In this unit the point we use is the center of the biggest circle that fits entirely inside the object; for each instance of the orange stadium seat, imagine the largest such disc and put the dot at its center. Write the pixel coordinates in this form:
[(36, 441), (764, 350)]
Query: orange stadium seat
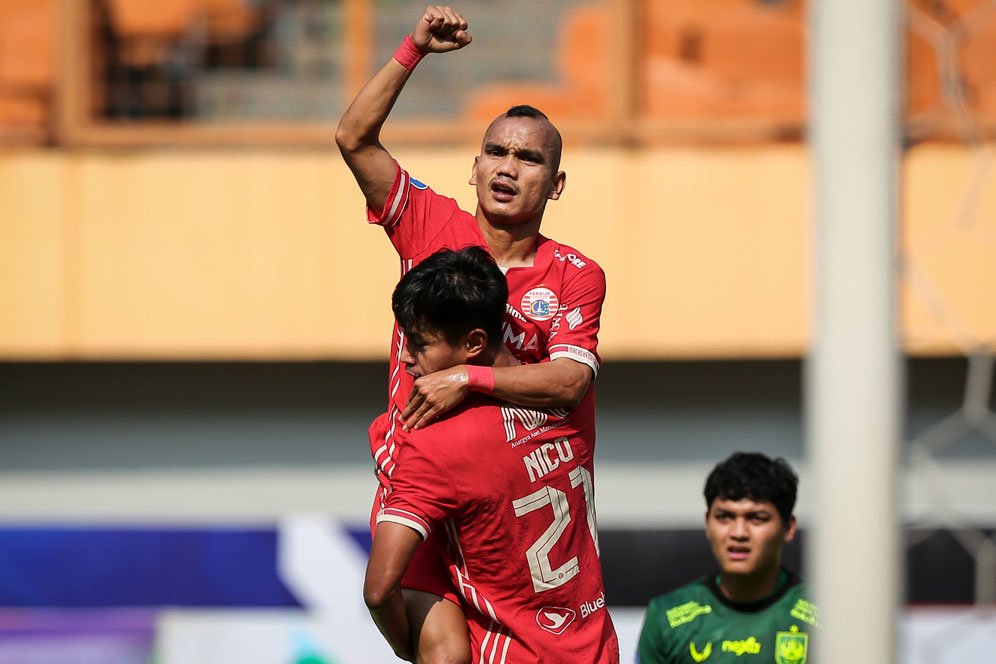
[(976, 57), (153, 19), (147, 28), (978, 66), (728, 58), (27, 41), (721, 59), (582, 53), (923, 89), (27, 63), (20, 111), (229, 20)]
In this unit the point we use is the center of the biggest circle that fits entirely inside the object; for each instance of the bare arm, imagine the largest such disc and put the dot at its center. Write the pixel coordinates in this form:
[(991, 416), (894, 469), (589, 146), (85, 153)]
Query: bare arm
[(391, 552), (439, 30), (560, 383)]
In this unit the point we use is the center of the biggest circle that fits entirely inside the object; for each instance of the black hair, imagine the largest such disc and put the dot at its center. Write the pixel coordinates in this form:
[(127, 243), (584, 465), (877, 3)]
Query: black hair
[(756, 477), (527, 111), (452, 293)]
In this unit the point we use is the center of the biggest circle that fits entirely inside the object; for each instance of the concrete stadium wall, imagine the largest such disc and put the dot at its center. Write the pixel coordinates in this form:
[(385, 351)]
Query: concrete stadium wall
[(264, 253)]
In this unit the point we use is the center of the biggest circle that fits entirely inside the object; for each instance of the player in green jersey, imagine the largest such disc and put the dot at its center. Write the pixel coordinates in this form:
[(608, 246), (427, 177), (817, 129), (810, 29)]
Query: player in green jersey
[(753, 610)]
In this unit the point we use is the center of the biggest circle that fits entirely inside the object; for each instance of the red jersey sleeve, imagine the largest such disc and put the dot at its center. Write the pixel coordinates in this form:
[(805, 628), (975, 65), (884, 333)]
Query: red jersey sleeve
[(422, 492), (574, 330), (413, 214)]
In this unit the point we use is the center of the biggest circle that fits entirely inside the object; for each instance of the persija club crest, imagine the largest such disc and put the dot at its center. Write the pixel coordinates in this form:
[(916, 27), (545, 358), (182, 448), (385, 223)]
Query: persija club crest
[(540, 304)]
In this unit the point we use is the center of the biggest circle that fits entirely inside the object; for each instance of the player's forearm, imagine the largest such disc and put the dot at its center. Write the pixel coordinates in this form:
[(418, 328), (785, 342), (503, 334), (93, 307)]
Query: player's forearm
[(557, 384), (388, 613), (360, 126)]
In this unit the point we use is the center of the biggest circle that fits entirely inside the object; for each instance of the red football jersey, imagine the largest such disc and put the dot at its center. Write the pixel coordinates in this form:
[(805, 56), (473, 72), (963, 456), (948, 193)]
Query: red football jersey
[(512, 491), (553, 309)]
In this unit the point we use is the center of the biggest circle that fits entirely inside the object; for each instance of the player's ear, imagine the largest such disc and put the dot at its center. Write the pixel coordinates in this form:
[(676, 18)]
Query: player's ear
[(790, 529), (473, 172), (559, 182), (476, 342)]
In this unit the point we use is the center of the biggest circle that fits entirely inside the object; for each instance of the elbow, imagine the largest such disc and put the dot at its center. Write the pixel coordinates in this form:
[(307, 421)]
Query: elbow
[(345, 139), (376, 596), (574, 388), (353, 137), (573, 394)]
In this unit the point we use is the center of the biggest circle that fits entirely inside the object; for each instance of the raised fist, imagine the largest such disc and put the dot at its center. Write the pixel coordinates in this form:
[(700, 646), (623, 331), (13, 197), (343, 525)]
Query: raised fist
[(440, 30)]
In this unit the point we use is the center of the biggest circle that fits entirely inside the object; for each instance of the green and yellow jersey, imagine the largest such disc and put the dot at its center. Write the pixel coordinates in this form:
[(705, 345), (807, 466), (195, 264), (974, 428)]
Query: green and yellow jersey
[(695, 623)]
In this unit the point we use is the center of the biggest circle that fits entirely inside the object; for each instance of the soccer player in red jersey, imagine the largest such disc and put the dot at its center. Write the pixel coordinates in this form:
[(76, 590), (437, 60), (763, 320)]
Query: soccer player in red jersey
[(555, 292), (509, 488)]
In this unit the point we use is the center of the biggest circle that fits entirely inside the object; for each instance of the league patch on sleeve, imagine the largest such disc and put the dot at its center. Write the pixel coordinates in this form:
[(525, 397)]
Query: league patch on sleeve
[(417, 184), (806, 612), (686, 613)]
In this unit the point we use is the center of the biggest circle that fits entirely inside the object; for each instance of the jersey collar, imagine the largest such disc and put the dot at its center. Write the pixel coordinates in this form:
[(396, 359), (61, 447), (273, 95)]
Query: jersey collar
[(786, 580)]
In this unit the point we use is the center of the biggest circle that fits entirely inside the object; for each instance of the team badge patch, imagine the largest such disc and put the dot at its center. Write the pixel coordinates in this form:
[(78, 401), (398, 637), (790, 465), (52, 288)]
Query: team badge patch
[(540, 304), (791, 646), (555, 619)]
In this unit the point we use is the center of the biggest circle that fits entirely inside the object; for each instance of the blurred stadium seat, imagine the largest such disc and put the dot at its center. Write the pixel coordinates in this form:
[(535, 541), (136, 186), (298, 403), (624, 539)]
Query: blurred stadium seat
[(741, 60), (27, 67), (709, 63), (582, 56), (954, 39), (148, 29)]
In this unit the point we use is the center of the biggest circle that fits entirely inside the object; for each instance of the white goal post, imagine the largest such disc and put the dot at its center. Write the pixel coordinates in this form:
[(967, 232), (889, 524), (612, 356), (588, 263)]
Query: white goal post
[(853, 367)]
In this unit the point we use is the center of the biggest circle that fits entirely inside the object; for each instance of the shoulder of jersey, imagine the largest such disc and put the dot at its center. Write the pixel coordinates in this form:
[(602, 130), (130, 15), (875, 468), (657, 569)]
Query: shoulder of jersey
[(680, 595), (801, 607), (464, 420), (683, 608), (571, 256), (418, 184)]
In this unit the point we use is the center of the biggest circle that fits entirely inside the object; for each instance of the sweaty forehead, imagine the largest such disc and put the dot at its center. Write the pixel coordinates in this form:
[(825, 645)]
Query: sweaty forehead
[(517, 132)]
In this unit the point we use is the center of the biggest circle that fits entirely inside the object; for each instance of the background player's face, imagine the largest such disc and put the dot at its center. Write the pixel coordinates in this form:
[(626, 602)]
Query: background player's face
[(428, 351), (747, 536), (514, 174)]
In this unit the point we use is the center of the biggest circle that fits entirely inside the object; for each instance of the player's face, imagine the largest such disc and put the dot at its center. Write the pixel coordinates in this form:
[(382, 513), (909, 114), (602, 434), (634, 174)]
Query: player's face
[(747, 536), (514, 174), (427, 352)]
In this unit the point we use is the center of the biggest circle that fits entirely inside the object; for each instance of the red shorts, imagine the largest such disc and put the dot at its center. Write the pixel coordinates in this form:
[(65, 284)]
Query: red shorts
[(427, 571)]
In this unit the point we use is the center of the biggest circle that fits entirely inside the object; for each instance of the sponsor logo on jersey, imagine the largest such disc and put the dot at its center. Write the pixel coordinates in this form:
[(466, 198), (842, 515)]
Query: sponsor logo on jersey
[(512, 312), (574, 318), (700, 656), (806, 611), (535, 422), (555, 619), (517, 341), (686, 613), (588, 608), (791, 646), (540, 304), (417, 184), (748, 646), (573, 259), (520, 416)]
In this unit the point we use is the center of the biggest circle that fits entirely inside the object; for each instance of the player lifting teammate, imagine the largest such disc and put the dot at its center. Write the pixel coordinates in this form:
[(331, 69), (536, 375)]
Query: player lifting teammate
[(555, 292), (509, 489)]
